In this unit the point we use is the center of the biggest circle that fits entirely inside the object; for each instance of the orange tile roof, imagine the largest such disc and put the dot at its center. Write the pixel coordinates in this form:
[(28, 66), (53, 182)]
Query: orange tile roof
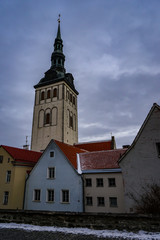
[(23, 155), (101, 160), (70, 152), (95, 146)]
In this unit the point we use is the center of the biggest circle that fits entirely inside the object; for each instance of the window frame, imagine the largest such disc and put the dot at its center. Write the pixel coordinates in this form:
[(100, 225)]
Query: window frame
[(50, 174), (8, 176), (89, 201), (88, 182), (111, 182), (112, 203), (35, 198), (100, 201), (99, 182), (48, 197), (52, 154), (64, 197), (5, 198)]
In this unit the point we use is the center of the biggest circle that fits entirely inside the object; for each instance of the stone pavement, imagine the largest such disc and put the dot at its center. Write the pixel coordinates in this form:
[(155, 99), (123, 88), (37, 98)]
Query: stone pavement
[(16, 234)]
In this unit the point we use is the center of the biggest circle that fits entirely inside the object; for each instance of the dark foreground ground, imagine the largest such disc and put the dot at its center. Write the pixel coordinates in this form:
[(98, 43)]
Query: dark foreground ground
[(15, 234)]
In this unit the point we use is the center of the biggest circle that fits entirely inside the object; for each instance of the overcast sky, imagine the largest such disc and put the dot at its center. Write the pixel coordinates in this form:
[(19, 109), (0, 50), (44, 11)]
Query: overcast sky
[(112, 48)]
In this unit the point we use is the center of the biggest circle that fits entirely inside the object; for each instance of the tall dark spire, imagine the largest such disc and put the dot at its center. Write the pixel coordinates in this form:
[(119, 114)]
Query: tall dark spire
[(58, 57)]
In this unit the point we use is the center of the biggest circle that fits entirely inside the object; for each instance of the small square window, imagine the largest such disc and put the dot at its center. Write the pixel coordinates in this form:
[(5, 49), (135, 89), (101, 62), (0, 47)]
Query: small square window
[(65, 196), (100, 201), (37, 195), (88, 182), (113, 201), (52, 154), (51, 173), (89, 201), (1, 159), (99, 182), (111, 182)]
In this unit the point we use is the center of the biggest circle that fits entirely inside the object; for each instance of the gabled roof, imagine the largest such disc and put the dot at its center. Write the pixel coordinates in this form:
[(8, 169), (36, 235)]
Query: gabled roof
[(96, 146), (100, 160), (70, 152), (155, 105), (22, 155)]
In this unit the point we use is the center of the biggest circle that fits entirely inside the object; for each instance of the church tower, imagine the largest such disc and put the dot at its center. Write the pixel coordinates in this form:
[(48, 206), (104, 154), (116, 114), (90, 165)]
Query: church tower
[(55, 107)]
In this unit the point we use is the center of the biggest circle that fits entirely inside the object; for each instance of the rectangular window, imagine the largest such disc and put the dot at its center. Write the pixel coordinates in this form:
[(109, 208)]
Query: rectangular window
[(1, 159), (89, 201), (5, 198), (37, 195), (50, 195), (158, 148), (111, 182), (113, 201), (100, 201), (88, 182), (8, 176), (65, 196), (99, 182), (52, 154), (51, 173)]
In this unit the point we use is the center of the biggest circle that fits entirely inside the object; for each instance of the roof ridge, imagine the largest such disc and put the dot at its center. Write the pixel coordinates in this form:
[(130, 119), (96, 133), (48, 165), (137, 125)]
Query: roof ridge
[(109, 140)]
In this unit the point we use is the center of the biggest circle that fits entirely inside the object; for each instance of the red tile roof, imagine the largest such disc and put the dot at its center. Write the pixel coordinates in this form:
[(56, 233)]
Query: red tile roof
[(95, 146), (101, 160), (70, 152), (23, 155)]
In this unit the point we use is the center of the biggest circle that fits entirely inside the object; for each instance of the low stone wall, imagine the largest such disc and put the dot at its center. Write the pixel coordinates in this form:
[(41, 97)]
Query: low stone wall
[(129, 222)]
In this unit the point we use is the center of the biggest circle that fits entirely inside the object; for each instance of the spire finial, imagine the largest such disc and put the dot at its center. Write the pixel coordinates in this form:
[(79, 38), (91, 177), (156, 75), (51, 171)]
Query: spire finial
[(59, 18)]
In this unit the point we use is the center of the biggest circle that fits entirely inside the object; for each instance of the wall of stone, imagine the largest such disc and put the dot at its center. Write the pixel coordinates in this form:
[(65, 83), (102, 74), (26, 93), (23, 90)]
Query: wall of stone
[(130, 222)]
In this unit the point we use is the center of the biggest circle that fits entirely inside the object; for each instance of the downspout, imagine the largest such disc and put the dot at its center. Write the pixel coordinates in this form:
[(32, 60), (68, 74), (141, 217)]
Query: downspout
[(25, 190)]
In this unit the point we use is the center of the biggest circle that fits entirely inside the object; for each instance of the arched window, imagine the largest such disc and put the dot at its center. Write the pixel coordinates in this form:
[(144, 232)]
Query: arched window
[(48, 93), (55, 92), (59, 61), (47, 118), (42, 95)]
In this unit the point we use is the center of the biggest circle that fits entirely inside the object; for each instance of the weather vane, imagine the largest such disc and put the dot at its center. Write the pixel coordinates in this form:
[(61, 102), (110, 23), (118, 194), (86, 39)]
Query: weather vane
[(59, 18)]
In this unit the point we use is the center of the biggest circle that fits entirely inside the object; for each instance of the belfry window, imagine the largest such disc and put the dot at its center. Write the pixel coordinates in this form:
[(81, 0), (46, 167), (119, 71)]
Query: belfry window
[(48, 93), (71, 121), (55, 92), (42, 95)]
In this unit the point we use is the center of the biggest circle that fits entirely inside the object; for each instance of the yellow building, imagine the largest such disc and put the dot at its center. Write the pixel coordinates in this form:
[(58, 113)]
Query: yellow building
[(14, 164)]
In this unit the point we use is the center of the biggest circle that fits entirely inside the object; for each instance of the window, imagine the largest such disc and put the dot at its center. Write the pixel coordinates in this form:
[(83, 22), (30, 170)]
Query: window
[(5, 198), (8, 160), (51, 173), (99, 182), (8, 176), (50, 195), (74, 100), (1, 159), (52, 154), (48, 93), (70, 97), (158, 148), (42, 95), (100, 201), (65, 196), (55, 92), (88, 182), (71, 121), (47, 118), (113, 201), (37, 195), (89, 201), (111, 182)]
